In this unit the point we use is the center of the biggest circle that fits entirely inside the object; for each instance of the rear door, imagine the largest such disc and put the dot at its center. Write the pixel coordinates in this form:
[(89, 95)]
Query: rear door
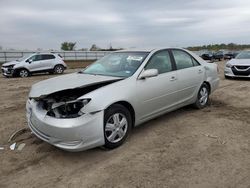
[(47, 62), (190, 74), (157, 94)]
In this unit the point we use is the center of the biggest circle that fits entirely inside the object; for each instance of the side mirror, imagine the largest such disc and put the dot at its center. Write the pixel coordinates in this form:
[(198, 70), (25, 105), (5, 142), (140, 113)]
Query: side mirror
[(148, 73), (29, 61)]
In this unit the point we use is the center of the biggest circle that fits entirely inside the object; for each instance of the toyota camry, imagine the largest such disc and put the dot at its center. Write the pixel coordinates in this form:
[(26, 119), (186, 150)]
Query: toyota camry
[(99, 105)]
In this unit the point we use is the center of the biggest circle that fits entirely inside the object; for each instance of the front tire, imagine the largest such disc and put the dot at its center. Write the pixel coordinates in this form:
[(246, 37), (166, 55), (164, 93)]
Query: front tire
[(59, 69), (202, 97), (117, 125), (23, 73)]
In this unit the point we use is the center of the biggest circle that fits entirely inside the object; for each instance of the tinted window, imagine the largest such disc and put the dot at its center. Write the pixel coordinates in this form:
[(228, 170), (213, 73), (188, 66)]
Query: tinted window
[(47, 56), (36, 58), (160, 61), (182, 59)]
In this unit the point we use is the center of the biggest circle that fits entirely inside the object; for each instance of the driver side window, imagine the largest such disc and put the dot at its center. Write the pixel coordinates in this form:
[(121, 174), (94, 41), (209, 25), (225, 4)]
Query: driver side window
[(160, 61), (35, 58)]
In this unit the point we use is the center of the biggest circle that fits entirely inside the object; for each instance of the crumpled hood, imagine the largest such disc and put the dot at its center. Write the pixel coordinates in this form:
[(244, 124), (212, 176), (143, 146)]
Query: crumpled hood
[(64, 82), (239, 62), (11, 63)]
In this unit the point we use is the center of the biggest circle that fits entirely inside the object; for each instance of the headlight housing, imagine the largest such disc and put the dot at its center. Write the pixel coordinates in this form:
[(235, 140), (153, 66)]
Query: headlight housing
[(70, 109), (9, 66), (228, 65)]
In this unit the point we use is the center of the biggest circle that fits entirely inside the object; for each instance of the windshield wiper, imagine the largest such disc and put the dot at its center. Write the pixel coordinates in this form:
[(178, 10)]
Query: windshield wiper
[(81, 72)]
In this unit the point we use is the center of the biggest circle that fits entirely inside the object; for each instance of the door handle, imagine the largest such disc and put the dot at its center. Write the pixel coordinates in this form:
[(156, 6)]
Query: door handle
[(173, 78)]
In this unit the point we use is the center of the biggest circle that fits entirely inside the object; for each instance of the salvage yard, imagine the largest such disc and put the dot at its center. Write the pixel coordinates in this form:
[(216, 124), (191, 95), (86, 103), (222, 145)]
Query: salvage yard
[(185, 148)]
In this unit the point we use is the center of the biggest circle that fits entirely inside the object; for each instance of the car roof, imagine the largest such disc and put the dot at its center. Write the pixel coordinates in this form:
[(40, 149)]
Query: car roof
[(44, 53), (135, 50), (149, 50)]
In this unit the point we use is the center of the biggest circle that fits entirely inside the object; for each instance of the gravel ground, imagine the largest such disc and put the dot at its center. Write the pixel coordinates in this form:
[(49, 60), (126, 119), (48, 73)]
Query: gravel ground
[(185, 148)]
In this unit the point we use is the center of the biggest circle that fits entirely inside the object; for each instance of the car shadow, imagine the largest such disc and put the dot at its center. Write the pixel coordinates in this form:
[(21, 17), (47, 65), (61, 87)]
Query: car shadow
[(238, 78), (166, 117)]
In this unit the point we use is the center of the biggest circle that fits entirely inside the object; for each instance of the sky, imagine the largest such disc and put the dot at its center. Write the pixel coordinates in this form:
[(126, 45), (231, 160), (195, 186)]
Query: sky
[(45, 24)]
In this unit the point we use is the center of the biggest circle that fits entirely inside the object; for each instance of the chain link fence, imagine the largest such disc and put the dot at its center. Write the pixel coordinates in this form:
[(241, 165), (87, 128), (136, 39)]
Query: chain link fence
[(6, 56)]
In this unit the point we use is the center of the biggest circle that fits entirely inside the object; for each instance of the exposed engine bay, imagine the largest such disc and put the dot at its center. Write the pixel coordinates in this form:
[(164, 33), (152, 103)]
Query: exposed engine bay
[(65, 103)]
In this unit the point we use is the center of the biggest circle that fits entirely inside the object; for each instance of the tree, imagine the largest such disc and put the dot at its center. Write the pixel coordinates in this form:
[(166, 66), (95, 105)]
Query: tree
[(72, 45), (216, 47), (94, 47), (67, 46), (64, 46)]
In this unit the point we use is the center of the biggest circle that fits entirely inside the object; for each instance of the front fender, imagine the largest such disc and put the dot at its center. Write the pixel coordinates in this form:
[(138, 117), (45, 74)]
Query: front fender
[(103, 97)]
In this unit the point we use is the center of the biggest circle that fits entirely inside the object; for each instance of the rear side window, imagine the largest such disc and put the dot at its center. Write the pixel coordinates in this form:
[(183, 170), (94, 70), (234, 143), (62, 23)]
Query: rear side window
[(160, 61), (195, 62), (183, 60), (48, 56)]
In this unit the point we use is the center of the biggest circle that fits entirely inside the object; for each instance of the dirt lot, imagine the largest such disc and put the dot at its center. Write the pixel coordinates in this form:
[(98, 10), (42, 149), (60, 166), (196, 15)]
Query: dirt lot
[(185, 148), (75, 64)]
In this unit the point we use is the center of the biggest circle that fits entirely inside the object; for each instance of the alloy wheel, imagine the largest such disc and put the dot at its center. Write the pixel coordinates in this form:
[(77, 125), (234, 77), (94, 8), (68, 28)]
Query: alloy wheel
[(203, 96), (59, 69), (116, 127), (23, 73)]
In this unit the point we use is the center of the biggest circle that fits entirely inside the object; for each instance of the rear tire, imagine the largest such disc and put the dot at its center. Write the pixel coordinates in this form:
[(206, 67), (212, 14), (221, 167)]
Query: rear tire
[(202, 97), (59, 69), (23, 73), (117, 125)]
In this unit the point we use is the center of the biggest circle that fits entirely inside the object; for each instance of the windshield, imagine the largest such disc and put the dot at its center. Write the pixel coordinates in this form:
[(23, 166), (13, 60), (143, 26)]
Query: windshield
[(118, 64), (243, 55), (24, 57)]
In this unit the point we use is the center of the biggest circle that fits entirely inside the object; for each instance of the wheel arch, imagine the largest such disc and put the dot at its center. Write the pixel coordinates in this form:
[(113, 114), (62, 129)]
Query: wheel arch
[(16, 71), (59, 65), (209, 86), (129, 107)]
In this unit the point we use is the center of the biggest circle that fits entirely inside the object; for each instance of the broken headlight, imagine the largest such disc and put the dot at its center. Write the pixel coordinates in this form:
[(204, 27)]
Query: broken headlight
[(70, 109)]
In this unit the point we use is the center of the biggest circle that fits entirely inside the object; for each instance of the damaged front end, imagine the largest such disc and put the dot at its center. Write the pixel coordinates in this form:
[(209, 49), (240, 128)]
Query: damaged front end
[(67, 103), (58, 112), (64, 109)]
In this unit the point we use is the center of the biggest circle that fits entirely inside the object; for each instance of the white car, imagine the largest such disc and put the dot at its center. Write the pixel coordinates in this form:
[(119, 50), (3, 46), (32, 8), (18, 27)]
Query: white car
[(35, 63), (238, 67), (100, 104)]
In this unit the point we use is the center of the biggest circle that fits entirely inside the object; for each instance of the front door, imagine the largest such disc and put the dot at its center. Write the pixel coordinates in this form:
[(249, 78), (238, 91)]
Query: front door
[(34, 63), (157, 94)]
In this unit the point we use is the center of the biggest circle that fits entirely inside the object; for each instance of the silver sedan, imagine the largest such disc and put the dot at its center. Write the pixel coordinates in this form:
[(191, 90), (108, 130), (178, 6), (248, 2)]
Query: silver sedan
[(100, 105), (238, 67)]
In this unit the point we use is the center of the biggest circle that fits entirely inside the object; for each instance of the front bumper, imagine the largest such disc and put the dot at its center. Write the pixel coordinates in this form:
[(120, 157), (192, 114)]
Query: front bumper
[(240, 74), (76, 134), (7, 71)]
